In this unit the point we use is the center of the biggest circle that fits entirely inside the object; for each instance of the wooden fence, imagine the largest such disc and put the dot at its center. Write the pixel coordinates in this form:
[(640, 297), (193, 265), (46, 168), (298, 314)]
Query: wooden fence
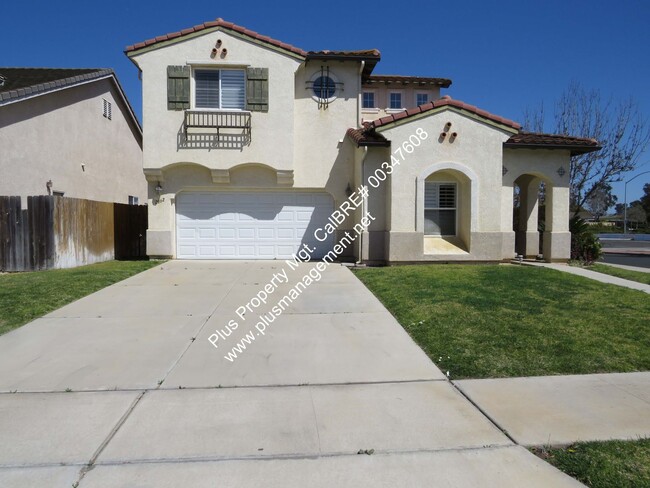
[(59, 232)]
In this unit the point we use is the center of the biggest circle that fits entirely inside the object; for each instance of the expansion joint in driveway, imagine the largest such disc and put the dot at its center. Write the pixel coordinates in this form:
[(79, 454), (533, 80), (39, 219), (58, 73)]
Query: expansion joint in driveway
[(484, 413), (92, 462), (298, 456)]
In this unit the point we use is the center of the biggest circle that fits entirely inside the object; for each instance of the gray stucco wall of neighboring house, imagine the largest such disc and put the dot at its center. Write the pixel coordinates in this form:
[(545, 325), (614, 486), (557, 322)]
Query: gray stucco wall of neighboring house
[(63, 137)]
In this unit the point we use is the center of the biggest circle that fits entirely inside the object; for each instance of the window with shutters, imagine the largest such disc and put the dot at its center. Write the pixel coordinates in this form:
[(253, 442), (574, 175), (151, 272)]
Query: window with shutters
[(439, 209), (223, 89)]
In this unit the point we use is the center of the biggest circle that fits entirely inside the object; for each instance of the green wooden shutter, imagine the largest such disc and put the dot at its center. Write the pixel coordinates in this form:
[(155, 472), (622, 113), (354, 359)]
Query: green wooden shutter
[(257, 89), (178, 87)]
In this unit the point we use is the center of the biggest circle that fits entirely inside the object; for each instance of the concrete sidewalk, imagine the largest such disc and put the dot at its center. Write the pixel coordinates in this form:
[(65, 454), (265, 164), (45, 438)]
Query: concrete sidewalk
[(593, 275), (629, 268), (123, 388), (564, 409)]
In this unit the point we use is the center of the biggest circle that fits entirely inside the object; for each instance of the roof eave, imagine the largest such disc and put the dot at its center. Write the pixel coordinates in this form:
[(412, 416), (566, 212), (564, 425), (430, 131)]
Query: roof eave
[(153, 44), (575, 150), (442, 83)]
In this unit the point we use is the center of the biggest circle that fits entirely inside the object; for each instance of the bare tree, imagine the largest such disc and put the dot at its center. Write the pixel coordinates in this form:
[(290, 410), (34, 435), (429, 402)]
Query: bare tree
[(600, 200), (619, 127)]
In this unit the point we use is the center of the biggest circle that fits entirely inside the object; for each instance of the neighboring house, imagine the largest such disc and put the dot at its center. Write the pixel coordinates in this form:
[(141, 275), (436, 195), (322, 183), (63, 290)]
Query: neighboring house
[(252, 143), (69, 132), (383, 95)]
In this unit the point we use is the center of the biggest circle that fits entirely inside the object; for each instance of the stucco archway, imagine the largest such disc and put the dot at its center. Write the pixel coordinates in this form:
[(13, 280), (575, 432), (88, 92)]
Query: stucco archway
[(447, 180), (530, 213)]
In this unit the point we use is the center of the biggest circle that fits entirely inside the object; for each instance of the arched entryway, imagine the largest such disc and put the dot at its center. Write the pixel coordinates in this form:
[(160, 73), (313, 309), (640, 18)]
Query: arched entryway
[(447, 215)]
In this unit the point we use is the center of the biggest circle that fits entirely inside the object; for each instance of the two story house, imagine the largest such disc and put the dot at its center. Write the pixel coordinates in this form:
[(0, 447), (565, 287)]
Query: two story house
[(252, 144)]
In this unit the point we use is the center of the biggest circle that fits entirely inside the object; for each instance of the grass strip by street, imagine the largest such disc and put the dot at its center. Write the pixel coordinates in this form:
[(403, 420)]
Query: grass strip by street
[(27, 296), (620, 464), (491, 321), (626, 274)]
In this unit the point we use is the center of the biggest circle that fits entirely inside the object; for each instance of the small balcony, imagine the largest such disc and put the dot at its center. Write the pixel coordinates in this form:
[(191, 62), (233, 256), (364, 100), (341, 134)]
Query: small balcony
[(211, 129)]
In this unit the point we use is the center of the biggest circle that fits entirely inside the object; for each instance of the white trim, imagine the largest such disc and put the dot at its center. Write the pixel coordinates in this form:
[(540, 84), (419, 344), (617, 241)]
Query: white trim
[(434, 168)]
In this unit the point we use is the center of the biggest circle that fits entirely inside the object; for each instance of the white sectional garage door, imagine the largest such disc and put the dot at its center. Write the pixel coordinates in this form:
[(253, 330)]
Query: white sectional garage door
[(251, 225)]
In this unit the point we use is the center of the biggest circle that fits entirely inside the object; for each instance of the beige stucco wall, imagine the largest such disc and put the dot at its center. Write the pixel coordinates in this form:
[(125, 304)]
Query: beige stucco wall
[(295, 146), (473, 159), (49, 137), (544, 164), (272, 133)]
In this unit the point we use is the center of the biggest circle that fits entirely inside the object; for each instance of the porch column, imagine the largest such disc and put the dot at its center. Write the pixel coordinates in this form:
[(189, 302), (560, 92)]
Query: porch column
[(527, 237), (557, 238)]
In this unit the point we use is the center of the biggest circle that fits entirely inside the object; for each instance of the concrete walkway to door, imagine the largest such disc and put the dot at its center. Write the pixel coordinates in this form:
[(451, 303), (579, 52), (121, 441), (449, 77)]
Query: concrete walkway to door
[(123, 388)]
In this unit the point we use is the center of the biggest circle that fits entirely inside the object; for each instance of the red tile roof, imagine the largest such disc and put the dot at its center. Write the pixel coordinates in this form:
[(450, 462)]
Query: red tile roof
[(217, 23), (364, 54), (366, 136), (530, 140), (445, 101), (407, 80)]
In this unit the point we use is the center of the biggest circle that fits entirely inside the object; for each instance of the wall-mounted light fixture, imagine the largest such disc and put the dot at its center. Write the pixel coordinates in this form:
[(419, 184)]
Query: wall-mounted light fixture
[(348, 190), (158, 188), (48, 185)]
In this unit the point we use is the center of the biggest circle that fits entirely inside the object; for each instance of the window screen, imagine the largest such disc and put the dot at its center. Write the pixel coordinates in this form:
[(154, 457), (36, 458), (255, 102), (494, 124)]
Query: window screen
[(223, 89), (440, 209)]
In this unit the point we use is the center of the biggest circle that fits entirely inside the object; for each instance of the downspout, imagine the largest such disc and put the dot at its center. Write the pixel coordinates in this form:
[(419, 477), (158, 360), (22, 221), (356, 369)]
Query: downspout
[(360, 98), (365, 152)]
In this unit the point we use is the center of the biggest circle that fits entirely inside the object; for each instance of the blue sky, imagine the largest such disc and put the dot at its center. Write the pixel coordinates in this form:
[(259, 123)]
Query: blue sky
[(502, 56)]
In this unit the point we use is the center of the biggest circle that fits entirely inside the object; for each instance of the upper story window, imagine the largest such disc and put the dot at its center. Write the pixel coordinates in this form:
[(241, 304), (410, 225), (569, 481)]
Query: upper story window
[(324, 87), (421, 98), (395, 100), (220, 89), (439, 209), (368, 100)]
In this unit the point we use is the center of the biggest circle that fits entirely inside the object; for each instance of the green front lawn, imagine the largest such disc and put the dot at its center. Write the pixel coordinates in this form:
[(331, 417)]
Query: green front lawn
[(612, 464), (502, 321), (626, 274), (27, 296)]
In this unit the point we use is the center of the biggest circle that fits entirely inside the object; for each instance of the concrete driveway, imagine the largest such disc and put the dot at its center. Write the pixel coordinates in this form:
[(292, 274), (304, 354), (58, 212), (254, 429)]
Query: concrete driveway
[(124, 388)]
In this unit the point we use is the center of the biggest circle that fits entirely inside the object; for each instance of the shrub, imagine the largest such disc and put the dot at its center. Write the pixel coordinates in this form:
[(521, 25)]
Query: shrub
[(585, 245)]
